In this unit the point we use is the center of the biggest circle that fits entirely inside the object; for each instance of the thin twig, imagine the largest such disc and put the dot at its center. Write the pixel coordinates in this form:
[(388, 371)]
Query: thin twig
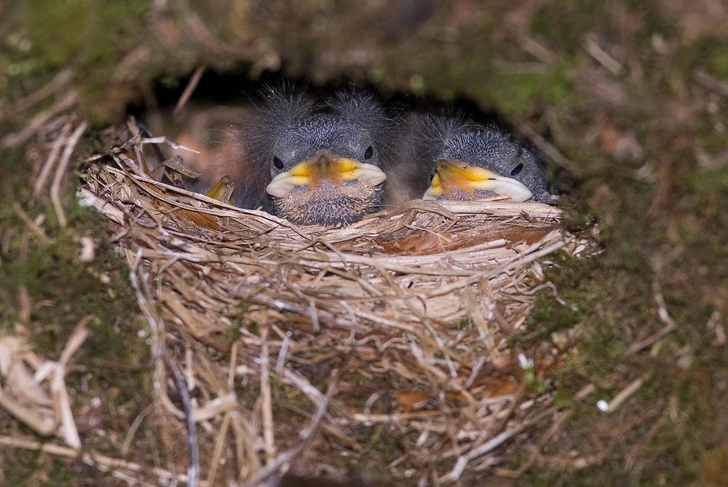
[(266, 398), (306, 435), (554, 154), (669, 327), (11, 141), (61, 172), (59, 81), (51, 160), (711, 82), (623, 395), (97, 460), (602, 56), (189, 89), (32, 226), (491, 445), (193, 471)]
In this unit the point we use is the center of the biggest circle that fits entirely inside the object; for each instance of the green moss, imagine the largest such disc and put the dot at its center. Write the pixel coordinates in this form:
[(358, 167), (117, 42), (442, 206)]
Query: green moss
[(551, 314), (253, 327), (90, 36), (514, 93), (355, 378), (562, 22), (716, 58), (83, 31), (62, 291)]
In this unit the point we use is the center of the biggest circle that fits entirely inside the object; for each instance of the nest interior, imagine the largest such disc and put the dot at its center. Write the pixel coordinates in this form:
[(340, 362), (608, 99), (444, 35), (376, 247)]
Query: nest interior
[(400, 320)]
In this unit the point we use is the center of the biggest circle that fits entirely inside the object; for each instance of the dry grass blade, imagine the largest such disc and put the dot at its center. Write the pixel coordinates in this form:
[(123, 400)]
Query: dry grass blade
[(102, 462), (61, 172), (22, 395)]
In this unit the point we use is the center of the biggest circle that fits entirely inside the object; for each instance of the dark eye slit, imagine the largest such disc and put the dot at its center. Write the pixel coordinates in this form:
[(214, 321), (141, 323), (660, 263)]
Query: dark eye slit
[(516, 170), (369, 153)]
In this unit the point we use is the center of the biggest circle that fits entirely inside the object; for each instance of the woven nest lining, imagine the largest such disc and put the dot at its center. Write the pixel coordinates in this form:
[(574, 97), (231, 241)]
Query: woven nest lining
[(421, 298)]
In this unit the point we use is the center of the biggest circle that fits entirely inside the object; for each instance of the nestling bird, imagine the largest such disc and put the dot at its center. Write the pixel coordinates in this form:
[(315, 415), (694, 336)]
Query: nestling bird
[(315, 163), (451, 157)]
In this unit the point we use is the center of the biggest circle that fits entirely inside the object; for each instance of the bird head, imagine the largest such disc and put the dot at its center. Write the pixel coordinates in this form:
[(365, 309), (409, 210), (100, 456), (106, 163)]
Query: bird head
[(484, 163), (457, 180), (325, 170)]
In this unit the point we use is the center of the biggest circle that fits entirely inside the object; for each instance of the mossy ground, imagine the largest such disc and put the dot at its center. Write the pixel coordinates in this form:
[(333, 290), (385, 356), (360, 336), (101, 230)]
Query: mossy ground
[(61, 290), (663, 231)]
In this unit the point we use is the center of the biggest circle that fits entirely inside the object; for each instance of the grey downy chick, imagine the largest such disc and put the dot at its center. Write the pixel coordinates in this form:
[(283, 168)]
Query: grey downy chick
[(452, 157), (315, 163)]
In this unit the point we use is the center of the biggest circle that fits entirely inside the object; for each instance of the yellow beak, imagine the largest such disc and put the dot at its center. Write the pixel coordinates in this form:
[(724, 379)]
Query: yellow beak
[(223, 190), (452, 176), (324, 166)]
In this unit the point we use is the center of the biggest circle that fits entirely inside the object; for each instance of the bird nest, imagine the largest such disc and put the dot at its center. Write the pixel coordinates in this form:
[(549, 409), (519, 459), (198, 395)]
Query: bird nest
[(301, 342)]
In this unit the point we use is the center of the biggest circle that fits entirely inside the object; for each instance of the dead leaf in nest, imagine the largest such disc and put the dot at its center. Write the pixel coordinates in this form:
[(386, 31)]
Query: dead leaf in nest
[(424, 243), (513, 236), (199, 219), (502, 361), (526, 235), (502, 386), (714, 467), (456, 396), (416, 400), (416, 243), (413, 400), (497, 385)]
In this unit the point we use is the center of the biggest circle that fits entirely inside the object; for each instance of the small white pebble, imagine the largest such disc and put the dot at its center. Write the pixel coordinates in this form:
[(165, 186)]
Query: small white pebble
[(603, 405)]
